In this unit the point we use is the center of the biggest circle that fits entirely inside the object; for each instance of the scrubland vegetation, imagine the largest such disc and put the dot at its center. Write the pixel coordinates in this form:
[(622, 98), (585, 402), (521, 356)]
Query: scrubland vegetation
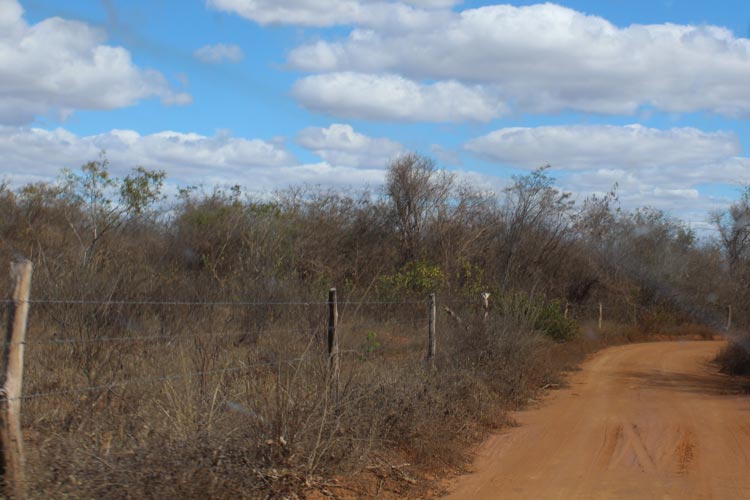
[(198, 322)]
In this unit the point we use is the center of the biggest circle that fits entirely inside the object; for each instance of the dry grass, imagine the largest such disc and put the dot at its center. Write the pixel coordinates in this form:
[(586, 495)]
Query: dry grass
[(272, 428), (221, 401)]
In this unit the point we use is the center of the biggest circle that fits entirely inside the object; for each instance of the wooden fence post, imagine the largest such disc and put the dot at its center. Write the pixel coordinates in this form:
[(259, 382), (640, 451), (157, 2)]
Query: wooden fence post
[(565, 314), (601, 315), (486, 305), (333, 341), (729, 317), (11, 437), (431, 330)]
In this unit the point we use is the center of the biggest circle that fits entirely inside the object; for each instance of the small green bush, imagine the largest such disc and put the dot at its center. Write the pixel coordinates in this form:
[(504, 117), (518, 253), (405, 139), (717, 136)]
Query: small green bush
[(416, 278), (552, 322)]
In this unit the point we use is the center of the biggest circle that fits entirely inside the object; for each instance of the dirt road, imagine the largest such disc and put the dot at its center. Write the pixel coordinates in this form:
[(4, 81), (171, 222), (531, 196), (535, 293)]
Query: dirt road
[(651, 421)]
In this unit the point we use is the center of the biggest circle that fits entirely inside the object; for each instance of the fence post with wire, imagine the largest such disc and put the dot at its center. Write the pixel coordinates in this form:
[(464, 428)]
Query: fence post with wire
[(334, 363), (11, 436), (431, 341), (322, 351)]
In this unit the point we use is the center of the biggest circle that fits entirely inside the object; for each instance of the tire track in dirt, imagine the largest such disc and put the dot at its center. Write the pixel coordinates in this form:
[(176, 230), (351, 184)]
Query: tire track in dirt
[(638, 421), (685, 452)]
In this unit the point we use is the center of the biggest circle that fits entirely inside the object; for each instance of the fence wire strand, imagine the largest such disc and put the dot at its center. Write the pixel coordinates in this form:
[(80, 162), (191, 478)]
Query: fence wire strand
[(149, 380), (168, 378), (217, 303), (217, 335)]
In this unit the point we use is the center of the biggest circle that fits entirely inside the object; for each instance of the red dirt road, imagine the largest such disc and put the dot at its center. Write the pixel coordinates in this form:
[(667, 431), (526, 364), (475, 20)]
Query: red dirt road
[(645, 421)]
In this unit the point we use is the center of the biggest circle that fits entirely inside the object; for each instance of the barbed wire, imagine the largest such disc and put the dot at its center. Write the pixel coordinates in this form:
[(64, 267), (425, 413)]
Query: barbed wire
[(217, 335), (217, 303), (147, 380), (177, 376)]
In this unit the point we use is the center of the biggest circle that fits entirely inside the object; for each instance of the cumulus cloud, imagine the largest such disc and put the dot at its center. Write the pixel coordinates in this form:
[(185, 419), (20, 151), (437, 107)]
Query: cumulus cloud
[(432, 4), (80, 73), (219, 53), (661, 168), (663, 189), (33, 154), (392, 97), (604, 146), (339, 144), (184, 156), (329, 12), (548, 58)]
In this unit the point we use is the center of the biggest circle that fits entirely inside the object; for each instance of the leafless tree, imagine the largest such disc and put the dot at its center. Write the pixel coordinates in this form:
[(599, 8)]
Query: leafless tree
[(418, 191), (733, 225)]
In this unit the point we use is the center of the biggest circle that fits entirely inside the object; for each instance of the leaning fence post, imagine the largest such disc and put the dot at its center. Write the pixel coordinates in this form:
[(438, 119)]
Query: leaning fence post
[(601, 315), (333, 341), (729, 317), (11, 437), (486, 305), (431, 330)]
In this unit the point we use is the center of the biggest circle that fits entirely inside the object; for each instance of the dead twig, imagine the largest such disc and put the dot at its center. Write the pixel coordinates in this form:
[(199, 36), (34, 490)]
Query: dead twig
[(456, 317)]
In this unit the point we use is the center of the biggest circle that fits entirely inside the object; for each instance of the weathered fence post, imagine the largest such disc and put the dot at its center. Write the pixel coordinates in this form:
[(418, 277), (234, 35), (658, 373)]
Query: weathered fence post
[(565, 314), (333, 341), (486, 305), (601, 315), (431, 330), (729, 317), (11, 437)]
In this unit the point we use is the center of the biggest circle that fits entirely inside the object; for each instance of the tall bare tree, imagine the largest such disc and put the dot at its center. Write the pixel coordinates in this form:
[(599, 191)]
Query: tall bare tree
[(419, 191), (733, 225)]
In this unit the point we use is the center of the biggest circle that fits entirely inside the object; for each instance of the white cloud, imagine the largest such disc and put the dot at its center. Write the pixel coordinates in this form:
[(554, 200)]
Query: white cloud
[(219, 53), (605, 146), (548, 58), (185, 157), (339, 144), (391, 97), (57, 66), (433, 4), (33, 154), (326, 175), (329, 12), (661, 168), (664, 190)]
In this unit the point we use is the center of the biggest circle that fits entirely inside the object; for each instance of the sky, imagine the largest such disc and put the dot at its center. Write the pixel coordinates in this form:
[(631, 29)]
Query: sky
[(651, 95)]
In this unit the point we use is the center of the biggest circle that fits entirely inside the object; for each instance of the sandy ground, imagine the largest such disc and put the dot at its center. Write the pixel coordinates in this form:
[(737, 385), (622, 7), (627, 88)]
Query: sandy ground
[(651, 421)]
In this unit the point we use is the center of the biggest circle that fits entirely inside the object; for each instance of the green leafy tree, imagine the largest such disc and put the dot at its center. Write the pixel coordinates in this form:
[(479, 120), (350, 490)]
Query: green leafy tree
[(104, 203)]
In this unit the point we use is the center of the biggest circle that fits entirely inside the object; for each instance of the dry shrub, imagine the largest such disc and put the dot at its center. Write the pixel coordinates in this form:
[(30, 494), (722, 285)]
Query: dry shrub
[(694, 330), (734, 358), (274, 428), (229, 401)]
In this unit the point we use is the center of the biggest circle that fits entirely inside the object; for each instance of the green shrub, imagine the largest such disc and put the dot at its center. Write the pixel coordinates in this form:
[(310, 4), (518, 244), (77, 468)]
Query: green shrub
[(552, 322), (416, 278), (546, 317)]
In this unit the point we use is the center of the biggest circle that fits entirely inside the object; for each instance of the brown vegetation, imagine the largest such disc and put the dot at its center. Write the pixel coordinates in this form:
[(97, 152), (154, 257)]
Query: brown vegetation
[(177, 346)]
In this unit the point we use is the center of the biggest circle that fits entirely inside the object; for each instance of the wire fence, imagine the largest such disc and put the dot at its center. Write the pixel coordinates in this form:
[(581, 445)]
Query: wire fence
[(149, 380), (59, 337), (624, 312), (116, 347)]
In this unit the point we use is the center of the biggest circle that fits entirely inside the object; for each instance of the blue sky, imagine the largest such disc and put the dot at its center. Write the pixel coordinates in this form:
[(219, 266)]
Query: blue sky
[(267, 93)]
